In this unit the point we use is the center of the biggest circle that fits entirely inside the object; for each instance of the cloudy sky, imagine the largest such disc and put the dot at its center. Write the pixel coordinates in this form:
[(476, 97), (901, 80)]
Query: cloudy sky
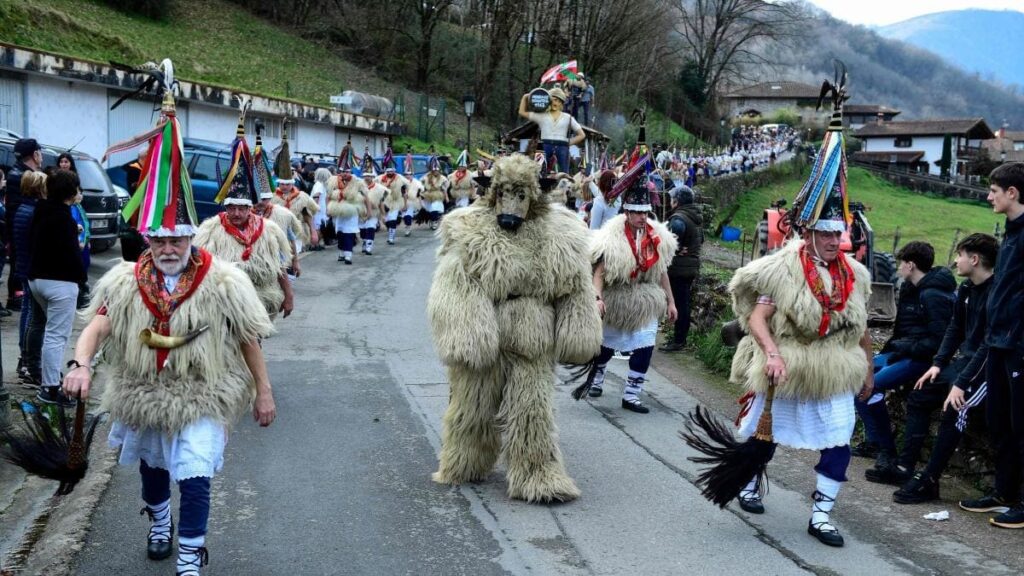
[(870, 12)]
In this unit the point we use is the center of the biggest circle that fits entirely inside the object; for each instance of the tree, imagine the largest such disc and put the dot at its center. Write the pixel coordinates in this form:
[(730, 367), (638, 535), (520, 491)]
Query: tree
[(947, 156), (721, 37)]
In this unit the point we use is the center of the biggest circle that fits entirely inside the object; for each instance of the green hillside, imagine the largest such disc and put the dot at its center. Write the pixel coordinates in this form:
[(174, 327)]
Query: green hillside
[(209, 41), (918, 217)]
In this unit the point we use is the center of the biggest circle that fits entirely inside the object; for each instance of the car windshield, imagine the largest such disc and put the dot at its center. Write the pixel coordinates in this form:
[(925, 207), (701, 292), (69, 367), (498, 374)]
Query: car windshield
[(92, 175)]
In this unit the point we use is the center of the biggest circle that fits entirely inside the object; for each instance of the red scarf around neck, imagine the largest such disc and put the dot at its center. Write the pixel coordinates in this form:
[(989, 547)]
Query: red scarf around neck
[(161, 304), (460, 173), (247, 236), (842, 286), (646, 253), (289, 198)]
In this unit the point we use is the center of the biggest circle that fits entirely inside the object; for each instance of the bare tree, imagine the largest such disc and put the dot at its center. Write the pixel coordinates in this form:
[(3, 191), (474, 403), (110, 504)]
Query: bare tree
[(720, 36)]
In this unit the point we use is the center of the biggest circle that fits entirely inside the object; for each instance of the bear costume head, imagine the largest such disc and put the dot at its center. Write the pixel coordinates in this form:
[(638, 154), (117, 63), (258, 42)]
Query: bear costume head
[(515, 191)]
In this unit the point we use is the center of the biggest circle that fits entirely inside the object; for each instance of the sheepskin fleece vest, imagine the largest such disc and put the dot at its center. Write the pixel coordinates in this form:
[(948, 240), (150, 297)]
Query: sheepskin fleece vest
[(347, 201), (207, 377), (630, 303), (376, 194), (434, 187), (393, 198), (461, 187), (285, 220), (302, 205), (816, 367), (264, 265)]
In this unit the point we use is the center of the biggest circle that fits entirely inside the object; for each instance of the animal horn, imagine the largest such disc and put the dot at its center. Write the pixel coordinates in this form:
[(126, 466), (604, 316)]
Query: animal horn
[(154, 340)]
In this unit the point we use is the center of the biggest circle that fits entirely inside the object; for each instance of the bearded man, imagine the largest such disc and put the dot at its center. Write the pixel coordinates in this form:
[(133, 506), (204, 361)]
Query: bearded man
[(181, 361)]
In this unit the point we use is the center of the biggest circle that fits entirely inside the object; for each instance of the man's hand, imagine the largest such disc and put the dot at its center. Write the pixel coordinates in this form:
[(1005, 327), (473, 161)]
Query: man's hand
[(672, 312), (296, 269), (288, 305), (869, 387), (77, 382), (928, 376), (600, 308), (775, 369), (955, 399), (314, 236), (264, 411)]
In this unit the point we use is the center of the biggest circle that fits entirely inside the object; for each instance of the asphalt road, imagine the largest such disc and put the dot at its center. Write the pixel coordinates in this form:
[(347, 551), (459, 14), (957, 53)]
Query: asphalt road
[(340, 484)]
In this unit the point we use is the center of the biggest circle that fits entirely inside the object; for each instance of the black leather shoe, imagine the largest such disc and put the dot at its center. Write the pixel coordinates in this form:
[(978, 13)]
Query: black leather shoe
[(159, 549), (158, 543), (917, 490), (672, 347), (752, 505), (893, 475), (826, 537), (595, 392), (635, 406)]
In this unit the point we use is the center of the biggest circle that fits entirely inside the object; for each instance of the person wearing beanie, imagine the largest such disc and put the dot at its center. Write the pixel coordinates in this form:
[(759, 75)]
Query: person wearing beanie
[(687, 223)]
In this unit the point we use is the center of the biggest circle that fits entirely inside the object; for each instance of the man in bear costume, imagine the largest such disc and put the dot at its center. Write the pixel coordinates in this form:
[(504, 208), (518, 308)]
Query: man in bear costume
[(512, 295)]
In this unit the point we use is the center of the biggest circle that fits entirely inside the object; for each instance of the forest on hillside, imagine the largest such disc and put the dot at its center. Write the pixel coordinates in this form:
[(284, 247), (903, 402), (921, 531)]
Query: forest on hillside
[(674, 56)]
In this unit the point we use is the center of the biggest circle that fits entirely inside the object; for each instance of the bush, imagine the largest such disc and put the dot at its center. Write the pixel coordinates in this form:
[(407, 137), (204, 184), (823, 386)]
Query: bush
[(153, 9), (726, 191), (785, 116)]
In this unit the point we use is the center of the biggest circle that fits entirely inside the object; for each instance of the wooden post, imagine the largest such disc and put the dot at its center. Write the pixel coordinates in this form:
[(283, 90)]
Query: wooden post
[(743, 248)]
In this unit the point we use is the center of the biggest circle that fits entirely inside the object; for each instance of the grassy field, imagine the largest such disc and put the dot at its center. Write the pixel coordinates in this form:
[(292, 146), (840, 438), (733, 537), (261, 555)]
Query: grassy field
[(916, 216), (210, 41)]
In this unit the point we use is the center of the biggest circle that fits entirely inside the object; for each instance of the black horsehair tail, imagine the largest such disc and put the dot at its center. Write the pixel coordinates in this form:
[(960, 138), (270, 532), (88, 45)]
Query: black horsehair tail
[(586, 371), (732, 464), (51, 450)]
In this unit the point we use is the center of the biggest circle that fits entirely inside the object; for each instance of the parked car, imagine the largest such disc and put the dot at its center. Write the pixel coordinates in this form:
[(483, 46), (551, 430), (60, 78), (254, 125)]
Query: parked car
[(419, 164), (207, 163), (98, 196)]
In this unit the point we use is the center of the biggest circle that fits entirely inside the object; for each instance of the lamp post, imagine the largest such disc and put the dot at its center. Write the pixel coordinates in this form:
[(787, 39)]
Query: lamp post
[(469, 104), (723, 131)]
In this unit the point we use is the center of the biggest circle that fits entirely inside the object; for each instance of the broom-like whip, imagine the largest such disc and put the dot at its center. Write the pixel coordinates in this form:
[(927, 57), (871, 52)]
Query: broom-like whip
[(732, 464), (60, 454)]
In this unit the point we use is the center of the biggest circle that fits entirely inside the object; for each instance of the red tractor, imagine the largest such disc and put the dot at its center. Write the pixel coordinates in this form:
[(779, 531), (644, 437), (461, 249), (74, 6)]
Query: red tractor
[(858, 242)]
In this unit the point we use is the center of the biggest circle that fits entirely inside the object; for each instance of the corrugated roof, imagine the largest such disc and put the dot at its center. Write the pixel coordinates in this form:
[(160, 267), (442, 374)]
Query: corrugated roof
[(972, 127)]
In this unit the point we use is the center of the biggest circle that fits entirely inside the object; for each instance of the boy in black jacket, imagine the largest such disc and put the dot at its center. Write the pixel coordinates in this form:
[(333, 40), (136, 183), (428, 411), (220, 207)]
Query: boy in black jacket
[(1005, 340), (957, 368), (923, 311)]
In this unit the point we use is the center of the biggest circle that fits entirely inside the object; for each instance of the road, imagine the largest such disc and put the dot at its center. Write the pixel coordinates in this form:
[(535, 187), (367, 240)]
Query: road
[(340, 484)]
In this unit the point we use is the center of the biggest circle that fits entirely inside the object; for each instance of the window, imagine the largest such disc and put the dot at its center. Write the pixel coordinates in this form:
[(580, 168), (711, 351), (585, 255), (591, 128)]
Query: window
[(271, 126), (206, 168), (903, 142), (1018, 146)]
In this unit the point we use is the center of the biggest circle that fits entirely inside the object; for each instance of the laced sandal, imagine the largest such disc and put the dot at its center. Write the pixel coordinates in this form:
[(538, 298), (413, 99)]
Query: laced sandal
[(158, 542), (750, 501), (191, 559), (635, 405), (824, 531)]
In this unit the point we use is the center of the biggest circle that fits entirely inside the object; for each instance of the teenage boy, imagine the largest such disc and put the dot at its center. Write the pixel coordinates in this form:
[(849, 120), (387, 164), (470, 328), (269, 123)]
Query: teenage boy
[(1005, 339), (957, 370), (923, 311)]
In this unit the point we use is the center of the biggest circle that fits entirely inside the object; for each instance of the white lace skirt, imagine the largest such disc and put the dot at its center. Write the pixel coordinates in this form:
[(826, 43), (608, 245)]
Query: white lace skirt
[(806, 424), (625, 341), (196, 451)]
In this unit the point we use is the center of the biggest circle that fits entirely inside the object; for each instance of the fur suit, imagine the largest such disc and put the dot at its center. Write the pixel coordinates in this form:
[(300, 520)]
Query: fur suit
[(285, 220), (376, 192), (504, 307), (631, 303), (461, 186), (345, 200), (302, 206), (393, 197), (205, 378), (267, 262), (795, 329)]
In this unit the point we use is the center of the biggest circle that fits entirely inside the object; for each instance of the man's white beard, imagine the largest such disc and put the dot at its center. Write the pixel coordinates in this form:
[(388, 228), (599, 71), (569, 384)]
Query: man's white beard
[(171, 267)]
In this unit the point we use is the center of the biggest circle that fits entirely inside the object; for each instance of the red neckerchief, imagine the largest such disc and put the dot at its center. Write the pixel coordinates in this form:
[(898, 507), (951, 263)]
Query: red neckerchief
[(646, 254), (161, 304), (371, 184), (460, 173), (842, 286), (247, 236), (289, 199), (263, 211), (387, 179), (345, 179)]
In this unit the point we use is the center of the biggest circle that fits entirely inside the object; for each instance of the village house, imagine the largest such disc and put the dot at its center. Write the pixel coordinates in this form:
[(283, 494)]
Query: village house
[(766, 98), (916, 145), (856, 116), (1007, 146), (65, 102)]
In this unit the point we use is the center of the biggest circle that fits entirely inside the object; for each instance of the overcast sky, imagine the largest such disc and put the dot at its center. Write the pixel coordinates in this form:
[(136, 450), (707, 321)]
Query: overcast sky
[(870, 12)]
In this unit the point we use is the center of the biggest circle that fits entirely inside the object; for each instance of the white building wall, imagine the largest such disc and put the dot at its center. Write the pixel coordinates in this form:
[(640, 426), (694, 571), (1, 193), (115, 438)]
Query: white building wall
[(930, 145), (316, 139), (66, 114), (212, 123)]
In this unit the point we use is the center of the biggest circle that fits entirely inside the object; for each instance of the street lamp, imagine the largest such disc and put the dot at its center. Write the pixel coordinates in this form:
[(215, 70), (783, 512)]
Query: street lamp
[(723, 130), (469, 104)]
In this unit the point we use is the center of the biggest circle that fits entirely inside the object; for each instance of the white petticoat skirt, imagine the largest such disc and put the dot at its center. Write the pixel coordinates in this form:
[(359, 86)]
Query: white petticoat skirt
[(461, 202), (368, 223), (392, 215), (437, 206), (348, 225), (196, 451), (806, 424), (625, 341)]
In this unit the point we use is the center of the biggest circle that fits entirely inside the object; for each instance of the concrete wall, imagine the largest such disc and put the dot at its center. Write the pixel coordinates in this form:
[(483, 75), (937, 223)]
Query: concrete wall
[(212, 123), (64, 114), (316, 139)]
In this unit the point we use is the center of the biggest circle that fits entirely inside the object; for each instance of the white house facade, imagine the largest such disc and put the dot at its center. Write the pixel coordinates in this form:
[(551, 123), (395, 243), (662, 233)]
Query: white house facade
[(66, 102), (917, 145)]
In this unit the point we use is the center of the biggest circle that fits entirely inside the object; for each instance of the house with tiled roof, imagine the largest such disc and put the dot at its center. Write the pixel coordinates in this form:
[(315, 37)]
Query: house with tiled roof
[(1007, 146), (856, 116), (765, 98), (916, 145)]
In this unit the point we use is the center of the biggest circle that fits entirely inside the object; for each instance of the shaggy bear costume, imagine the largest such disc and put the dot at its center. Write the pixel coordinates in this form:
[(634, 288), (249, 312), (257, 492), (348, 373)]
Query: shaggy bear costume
[(507, 302)]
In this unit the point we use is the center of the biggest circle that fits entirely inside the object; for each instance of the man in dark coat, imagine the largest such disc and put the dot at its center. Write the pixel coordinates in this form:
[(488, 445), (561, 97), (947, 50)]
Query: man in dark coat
[(28, 157), (687, 224), (923, 311)]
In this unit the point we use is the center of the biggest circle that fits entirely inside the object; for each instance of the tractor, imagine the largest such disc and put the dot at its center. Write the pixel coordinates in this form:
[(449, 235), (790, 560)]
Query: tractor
[(858, 242)]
